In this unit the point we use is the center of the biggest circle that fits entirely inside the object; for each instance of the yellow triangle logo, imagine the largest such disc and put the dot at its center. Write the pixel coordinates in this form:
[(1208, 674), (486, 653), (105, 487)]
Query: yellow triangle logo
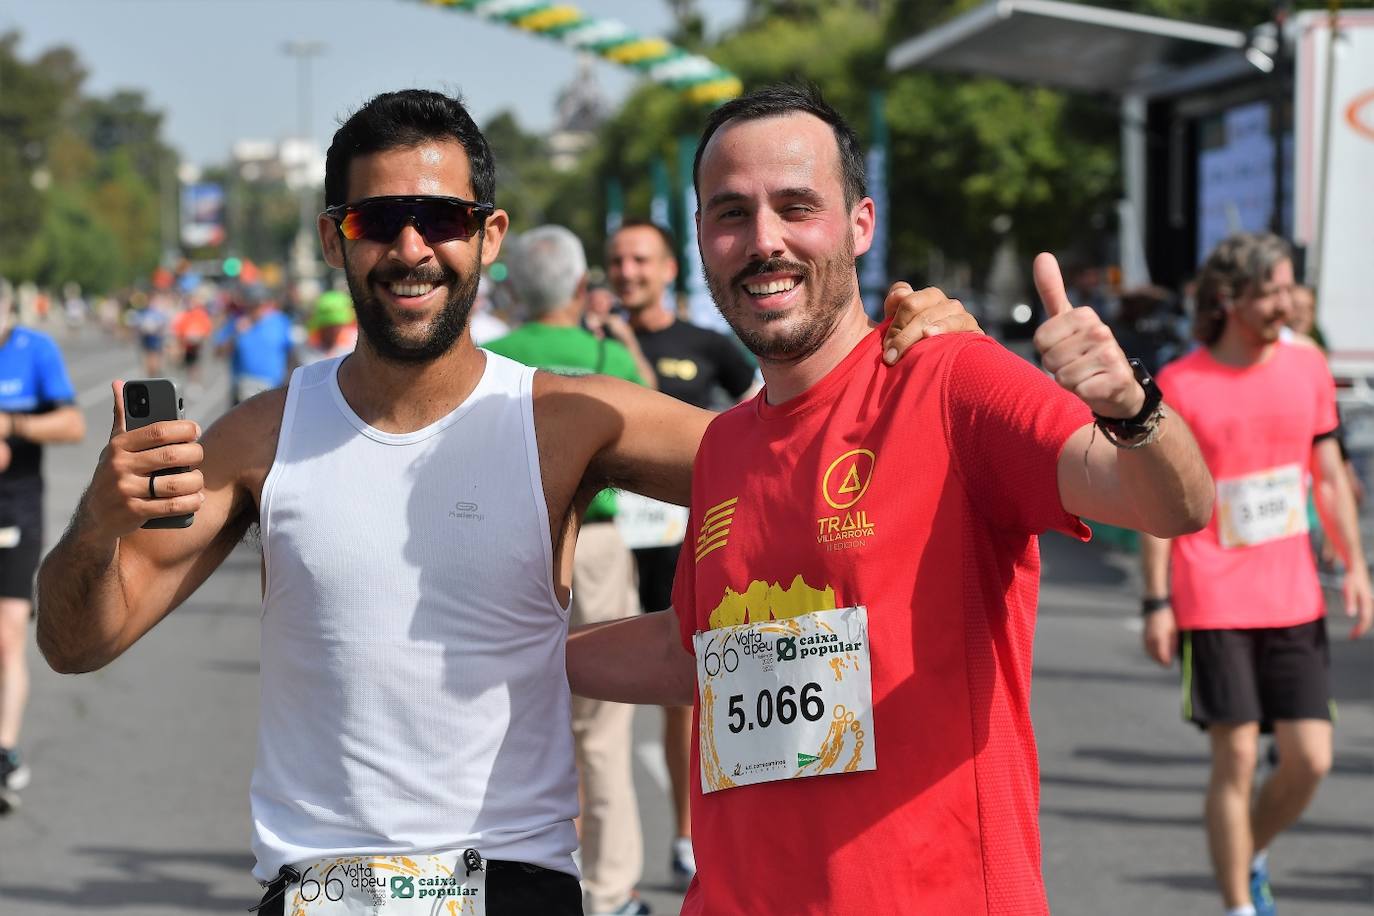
[(851, 481)]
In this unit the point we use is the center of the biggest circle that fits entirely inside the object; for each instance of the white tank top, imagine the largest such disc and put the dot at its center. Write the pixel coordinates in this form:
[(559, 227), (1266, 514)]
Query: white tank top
[(414, 690)]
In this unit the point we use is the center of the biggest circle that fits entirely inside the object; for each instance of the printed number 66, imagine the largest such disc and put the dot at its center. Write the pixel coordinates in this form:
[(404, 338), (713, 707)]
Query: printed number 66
[(730, 660), (330, 884)]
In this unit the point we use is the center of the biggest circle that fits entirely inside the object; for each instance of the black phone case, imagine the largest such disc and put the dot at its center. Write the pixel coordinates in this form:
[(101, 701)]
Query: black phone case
[(164, 403)]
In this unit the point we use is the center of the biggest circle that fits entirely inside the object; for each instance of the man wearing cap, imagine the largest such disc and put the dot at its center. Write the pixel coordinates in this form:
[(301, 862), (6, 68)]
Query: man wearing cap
[(333, 328)]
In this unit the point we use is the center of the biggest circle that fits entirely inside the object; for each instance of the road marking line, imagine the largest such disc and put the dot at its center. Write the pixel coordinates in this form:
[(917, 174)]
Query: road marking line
[(94, 395), (212, 394)]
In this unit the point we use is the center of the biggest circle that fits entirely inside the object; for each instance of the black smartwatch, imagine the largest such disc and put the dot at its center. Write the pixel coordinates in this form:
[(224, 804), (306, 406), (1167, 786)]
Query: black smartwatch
[(1138, 425)]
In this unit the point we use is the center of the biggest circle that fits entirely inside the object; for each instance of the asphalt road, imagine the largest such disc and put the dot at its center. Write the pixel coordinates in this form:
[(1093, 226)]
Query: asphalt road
[(139, 797)]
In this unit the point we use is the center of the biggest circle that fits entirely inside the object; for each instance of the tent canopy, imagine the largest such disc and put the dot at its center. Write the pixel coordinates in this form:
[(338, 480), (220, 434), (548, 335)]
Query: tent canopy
[(1067, 46)]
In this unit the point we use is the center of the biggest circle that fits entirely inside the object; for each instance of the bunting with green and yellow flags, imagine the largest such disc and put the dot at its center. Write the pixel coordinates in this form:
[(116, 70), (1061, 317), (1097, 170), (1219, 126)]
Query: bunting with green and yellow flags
[(698, 78)]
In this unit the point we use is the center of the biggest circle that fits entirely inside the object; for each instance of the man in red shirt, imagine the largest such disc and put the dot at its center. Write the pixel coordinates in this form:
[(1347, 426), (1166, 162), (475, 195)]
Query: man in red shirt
[(855, 614), (1245, 593)]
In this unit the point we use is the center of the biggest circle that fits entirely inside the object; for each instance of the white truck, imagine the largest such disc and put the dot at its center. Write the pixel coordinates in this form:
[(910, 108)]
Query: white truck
[(1334, 198)]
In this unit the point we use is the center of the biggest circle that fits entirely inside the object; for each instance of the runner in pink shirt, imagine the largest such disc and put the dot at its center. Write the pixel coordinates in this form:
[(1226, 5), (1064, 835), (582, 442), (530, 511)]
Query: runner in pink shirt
[(1244, 595)]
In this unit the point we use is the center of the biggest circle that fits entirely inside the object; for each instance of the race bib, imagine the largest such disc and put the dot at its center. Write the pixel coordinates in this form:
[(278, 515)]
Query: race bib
[(442, 884), (1261, 507), (785, 699), (645, 522)]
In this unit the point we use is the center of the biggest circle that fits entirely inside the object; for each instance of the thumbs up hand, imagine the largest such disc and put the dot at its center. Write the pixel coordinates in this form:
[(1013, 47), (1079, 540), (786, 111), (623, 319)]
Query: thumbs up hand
[(1080, 351)]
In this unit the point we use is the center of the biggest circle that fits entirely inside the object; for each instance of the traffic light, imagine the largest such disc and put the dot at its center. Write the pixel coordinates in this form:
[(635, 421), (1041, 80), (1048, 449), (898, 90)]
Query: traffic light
[(232, 267)]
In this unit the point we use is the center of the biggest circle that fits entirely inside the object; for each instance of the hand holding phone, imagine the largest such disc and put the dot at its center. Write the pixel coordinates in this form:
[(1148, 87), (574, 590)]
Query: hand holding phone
[(156, 465), (147, 401)]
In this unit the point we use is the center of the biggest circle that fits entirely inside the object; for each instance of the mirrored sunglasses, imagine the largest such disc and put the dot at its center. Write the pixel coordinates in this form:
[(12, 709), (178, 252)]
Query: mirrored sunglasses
[(437, 219)]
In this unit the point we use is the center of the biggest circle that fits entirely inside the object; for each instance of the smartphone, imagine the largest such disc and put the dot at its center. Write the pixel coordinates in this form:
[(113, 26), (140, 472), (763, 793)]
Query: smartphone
[(147, 401)]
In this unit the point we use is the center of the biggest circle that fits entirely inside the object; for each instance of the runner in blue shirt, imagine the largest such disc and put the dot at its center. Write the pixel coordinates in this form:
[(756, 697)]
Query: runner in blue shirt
[(259, 346), (37, 406)]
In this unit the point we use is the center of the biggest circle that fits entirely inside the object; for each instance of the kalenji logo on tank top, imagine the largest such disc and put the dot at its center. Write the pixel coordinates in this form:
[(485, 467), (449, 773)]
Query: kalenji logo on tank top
[(466, 510), (845, 482)]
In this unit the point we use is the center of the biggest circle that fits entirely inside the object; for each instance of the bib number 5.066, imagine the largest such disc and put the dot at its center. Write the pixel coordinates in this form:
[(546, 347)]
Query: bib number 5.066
[(781, 706)]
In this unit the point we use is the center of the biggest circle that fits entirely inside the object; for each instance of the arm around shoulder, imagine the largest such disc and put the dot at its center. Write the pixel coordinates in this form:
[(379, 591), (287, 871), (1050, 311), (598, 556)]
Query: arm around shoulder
[(641, 440), (634, 660)]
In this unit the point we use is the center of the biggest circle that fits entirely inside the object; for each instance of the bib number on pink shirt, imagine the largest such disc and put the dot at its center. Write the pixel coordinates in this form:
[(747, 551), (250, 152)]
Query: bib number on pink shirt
[(416, 885), (785, 699), (1261, 507), (645, 522)]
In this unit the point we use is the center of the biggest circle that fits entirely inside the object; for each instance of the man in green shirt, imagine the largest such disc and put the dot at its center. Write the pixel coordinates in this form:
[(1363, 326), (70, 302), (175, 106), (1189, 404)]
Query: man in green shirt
[(548, 275)]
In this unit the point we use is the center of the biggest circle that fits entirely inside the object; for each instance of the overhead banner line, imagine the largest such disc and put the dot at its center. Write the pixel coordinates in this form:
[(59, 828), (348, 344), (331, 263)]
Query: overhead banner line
[(698, 78)]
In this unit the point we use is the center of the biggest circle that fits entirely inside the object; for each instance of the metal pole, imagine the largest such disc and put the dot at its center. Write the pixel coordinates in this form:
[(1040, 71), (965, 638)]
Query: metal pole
[(1276, 119), (169, 186), (1314, 260), (304, 52), (1135, 268)]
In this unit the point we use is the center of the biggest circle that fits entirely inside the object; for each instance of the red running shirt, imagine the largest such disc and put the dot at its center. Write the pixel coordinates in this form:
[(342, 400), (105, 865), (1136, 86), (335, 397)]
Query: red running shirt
[(918, 491), (1248, 421)]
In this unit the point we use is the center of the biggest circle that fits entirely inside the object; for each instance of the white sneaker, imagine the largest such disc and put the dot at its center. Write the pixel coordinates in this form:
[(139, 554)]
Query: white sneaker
[(682, 863), (14, 774)]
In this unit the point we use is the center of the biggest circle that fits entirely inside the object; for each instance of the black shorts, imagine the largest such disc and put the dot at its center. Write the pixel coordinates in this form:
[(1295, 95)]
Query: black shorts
[(513, 889), (656, 565), (21, 539), (1263, 675), (190, 354)]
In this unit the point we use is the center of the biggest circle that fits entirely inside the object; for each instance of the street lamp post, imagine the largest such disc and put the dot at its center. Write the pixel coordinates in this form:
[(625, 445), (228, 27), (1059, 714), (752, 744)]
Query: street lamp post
[(304, 52), (1282, 88)]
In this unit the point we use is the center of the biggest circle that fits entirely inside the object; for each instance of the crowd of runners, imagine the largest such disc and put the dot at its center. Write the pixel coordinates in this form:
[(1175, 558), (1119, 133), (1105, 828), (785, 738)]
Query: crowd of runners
[(813, 541)]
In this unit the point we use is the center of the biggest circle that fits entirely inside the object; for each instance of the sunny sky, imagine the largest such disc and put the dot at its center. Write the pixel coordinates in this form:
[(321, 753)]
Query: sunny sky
[(218, 70)]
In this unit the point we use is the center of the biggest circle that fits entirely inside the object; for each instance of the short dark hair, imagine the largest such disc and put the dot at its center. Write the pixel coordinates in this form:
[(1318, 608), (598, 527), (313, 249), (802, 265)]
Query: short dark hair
[(786, 98), (664, 233), (398, 120)]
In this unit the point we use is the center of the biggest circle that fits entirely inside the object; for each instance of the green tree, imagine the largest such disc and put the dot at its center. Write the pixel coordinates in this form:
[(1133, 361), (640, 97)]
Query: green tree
[(79, 175), (689, 25), (962, 151), (73, 245), (33, 100), (525, 177)]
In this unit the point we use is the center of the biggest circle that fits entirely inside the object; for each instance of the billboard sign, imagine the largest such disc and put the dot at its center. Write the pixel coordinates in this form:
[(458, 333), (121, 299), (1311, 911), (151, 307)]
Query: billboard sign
[(202, 215)]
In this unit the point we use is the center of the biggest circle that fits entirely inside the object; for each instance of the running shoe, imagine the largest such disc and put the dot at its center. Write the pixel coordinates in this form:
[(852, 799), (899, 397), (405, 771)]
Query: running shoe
[(682, 863), (1260, 894), (14, 775)]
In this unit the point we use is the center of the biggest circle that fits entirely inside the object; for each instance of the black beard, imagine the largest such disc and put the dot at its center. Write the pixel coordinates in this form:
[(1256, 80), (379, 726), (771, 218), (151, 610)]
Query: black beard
[(446, 328), (816, 325)]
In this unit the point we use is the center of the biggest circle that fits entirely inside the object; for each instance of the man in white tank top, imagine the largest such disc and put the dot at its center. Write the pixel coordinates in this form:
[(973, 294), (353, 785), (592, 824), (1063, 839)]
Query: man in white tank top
[(419, 502)]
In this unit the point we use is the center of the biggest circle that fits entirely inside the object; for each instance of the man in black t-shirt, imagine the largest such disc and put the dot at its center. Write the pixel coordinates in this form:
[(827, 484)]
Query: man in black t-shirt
[(694, 364), (703, 368)]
